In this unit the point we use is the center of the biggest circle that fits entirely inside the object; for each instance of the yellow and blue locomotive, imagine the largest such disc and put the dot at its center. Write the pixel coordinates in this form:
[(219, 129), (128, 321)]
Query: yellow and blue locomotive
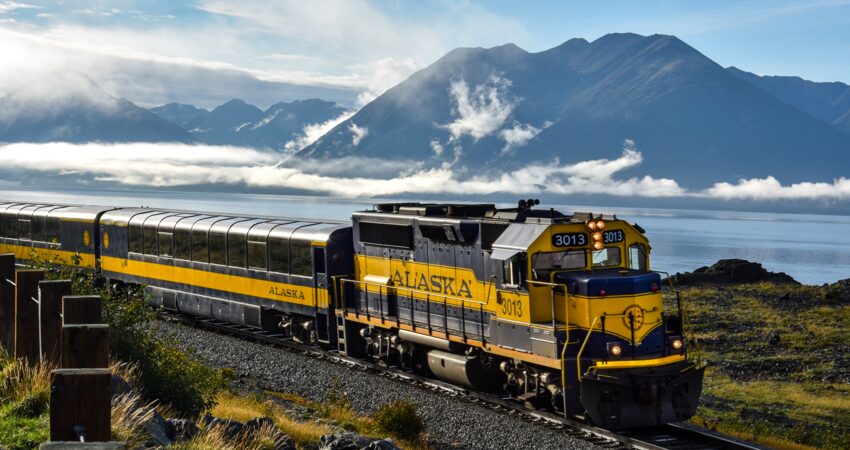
[(560, 311)]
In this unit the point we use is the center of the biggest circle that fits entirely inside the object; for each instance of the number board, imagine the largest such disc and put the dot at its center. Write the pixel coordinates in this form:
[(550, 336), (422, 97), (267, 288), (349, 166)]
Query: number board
[(613, 236), (569, 240)]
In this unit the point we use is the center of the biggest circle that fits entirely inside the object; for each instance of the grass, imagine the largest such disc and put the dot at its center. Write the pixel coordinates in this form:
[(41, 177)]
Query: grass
[(779, 367)]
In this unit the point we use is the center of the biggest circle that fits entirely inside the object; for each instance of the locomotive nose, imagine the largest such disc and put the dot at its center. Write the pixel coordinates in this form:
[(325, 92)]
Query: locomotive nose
[(610, 282)]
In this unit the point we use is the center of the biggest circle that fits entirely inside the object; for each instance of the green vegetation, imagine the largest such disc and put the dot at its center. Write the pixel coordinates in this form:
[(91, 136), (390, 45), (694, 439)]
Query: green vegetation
[(166, 374), (779, 370), (24, 399)]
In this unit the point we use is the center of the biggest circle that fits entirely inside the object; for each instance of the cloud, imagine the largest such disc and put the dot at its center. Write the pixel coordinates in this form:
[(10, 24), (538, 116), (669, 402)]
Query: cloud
[(482, 111), (437, 147), (6, 7), (163, 165), (770, 189), (358, 133), (519, 135), (312, 132), (145, 164)]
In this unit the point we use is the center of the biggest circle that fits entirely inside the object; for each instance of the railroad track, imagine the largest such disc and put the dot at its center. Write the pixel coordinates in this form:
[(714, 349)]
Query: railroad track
[(666, 437)]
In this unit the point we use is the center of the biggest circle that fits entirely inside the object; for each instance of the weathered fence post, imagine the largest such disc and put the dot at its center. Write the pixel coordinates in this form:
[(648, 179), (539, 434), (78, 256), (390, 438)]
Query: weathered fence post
[(26, 314), (80, 405), (85, 346), (81, 392), (7, 302), (50, 293), (81, 310)]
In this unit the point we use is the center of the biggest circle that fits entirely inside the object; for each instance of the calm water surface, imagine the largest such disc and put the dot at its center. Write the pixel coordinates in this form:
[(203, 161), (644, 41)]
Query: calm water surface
[(814, 249)]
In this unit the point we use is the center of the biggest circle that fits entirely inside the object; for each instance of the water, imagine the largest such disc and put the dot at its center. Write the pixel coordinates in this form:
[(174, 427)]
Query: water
[(814, 249)]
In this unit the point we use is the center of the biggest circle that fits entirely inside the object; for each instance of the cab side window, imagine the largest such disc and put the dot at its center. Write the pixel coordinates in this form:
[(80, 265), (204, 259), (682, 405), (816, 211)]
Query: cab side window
[(637, 257), (513, 270)]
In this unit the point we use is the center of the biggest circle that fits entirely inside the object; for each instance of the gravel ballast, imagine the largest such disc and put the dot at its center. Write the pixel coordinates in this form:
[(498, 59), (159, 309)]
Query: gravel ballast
[(450, 423)]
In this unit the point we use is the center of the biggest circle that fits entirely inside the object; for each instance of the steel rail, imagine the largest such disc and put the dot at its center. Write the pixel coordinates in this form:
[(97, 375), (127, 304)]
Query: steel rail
[(666, 437)]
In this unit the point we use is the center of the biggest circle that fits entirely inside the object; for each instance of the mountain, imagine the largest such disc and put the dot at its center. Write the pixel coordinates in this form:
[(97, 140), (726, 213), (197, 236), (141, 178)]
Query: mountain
[(70, 107), (501, 108), (239, 123), (187, 116), (827, 102)]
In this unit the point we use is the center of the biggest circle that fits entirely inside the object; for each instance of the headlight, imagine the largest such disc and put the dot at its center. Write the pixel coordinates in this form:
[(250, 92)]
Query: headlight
[(598, 245), (600, 224), (676, 344), (614, 349), (591, 225), (597, 236)]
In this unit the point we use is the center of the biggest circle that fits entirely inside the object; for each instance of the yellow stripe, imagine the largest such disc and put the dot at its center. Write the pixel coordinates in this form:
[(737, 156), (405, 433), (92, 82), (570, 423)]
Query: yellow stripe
[(48, 254), (289, 293), (633, 363)]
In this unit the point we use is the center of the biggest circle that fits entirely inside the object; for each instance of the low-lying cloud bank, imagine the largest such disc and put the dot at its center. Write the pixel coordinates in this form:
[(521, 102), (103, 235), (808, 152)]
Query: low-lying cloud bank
[(161, 165)]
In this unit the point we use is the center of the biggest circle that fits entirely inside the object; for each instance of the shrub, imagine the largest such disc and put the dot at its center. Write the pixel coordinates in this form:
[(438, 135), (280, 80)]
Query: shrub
[(400, 420), (170, 376)]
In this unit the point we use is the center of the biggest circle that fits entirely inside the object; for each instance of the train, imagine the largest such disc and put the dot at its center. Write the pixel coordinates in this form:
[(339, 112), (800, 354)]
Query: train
[(559, 311)]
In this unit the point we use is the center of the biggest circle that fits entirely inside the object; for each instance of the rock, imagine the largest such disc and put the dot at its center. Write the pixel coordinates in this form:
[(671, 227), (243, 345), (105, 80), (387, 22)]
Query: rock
[(184, 430), (119, 386), (344, 441), (281, 440), (383, 444), (231, 428), (161, 431), (838, 292), (732, 271)]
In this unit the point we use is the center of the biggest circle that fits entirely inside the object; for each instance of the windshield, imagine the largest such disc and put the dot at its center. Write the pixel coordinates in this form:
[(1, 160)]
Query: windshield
[(543, 264), (607, 257)]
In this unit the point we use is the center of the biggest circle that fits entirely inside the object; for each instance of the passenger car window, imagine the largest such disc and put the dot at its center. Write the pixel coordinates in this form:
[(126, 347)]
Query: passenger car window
[(38, 228), (236, 249), (24, 230), (166, 244), (200, 252), (301, 258), (217, 246), (136, 238), (53, 230), (257, 255), (10, 226), (150, 239), (278, 254), (182, 244)]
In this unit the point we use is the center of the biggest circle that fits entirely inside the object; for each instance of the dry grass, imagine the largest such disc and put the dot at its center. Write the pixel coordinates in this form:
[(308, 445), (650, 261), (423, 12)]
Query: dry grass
[(215, 439), (129, 419)]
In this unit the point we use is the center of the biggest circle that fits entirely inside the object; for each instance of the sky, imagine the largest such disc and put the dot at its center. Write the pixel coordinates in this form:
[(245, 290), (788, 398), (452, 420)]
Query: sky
[(207, 51)]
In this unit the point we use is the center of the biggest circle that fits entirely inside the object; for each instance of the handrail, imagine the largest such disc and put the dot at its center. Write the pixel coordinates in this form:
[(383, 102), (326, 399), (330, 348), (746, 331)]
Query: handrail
[(566, 332), (687, 329), (587, 338)]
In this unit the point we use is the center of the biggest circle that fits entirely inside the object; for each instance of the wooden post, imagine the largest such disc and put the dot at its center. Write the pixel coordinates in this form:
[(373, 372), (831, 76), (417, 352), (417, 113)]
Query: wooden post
[(80, 402), (50, 293), (81, 309), (7, 302), (26, 314), (85, 346)]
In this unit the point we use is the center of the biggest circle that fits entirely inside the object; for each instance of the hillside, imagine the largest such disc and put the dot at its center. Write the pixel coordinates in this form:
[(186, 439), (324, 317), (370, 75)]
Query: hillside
[(239, 123), (501, 108), (70, 107)]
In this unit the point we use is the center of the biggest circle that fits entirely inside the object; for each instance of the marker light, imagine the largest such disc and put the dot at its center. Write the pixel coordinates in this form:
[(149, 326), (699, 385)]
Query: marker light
[(600, 224), (677, 344), (591, 225), (597, 245), (614, 349), (597, 236)]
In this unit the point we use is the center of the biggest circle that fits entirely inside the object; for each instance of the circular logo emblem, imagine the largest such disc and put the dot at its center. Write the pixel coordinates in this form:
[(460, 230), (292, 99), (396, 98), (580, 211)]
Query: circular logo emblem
[(86, 238), (635, 312), (105, 240)]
